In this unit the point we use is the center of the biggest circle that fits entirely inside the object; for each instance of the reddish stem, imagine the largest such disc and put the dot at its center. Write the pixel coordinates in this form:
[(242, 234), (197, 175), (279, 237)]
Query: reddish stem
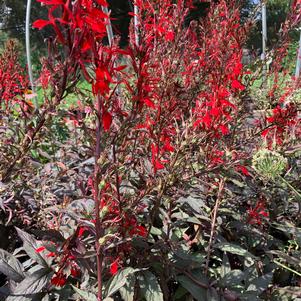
[(99, 230)]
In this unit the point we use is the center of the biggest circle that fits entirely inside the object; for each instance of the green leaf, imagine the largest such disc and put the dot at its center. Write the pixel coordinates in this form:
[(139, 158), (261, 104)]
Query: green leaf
[(212, 295), (156, 231), (180, 293), (250, 296), (30, 244), (195, 203), (288, 228), (85, 295), (232, 278), (31, 285), (150, 287), (225, 268), (127, 291), (118, 281), (195, 290), (234, 249), (183, 259), (11, 266), (261, 283)]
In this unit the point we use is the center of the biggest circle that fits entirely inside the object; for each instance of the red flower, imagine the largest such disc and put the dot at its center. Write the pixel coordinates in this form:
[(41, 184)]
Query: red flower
[(114, 267), (148, 103), (257, 214), (81, 231), (74, 272), (281, 121), (59, 279), (242, 169), (237, 85), (170, 36), (155, 161), (141, 231)]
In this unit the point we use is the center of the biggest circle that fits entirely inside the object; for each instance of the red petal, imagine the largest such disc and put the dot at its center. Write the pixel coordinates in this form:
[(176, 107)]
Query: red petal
[(81, 231), (40, 24), (141, 230), (224, 129), (159, 165), (40, 249), (52, 2), (148, 102), (170, 36), (51, 254), (114, 267), (106, 120), (243, 169), (265, 132), (237, 85)]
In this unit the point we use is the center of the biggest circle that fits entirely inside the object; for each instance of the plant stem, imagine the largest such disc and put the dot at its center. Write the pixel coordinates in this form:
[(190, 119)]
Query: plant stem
[(287, 268), (99, 230), (215, 210)]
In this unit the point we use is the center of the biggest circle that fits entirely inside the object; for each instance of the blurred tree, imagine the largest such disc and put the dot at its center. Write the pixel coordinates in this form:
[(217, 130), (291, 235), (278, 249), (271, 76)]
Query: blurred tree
[(277, 11), (12, 18), (12, 22)]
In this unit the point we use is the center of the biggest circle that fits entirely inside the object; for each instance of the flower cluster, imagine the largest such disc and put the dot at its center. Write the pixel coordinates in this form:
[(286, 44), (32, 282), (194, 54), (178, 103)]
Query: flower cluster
[(14, 84), (281, 123), (258, 214), (64, 259)]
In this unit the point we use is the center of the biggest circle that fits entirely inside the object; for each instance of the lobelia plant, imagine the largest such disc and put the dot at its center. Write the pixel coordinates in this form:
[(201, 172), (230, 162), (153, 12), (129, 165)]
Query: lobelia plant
[(167, 113), (165, 129)]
